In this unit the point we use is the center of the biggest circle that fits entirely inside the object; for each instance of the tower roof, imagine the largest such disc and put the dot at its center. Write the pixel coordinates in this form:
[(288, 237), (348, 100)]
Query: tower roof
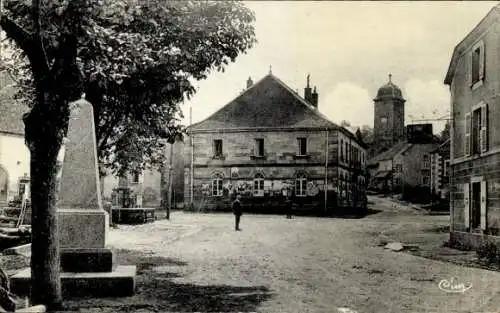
[(389, 91)]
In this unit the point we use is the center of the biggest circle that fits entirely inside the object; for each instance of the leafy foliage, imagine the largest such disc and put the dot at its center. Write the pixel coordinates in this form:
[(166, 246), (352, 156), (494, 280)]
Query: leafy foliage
[(139, 60)]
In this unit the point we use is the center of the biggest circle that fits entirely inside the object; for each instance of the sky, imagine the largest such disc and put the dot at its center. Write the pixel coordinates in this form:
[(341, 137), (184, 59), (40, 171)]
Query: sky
[(349, 49)]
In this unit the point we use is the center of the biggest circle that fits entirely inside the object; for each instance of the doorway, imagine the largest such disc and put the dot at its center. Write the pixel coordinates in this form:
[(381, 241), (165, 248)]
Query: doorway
[(475, 214)]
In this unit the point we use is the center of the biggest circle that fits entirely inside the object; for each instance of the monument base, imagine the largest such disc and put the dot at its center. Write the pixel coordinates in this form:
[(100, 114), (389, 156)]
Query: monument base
[(118, 283), (82, 228), (87, 260)]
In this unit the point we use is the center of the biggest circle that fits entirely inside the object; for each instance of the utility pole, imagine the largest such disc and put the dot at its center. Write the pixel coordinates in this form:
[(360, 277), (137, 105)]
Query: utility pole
[(326, 173), (169, 195)]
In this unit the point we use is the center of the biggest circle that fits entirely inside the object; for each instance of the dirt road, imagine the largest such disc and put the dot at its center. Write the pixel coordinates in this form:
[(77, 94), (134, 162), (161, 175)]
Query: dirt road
[(198, 263)]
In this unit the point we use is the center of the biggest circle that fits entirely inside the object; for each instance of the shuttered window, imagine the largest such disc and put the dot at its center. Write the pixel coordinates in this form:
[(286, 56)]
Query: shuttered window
[(483, 139), (467, 137), (477, 64)]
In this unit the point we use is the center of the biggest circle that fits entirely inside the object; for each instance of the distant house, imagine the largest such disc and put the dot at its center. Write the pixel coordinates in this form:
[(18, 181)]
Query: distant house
[(406, 166), (14, 155), (383, 170), (270, 142), (473, 76), (149, 188), (440, 171)]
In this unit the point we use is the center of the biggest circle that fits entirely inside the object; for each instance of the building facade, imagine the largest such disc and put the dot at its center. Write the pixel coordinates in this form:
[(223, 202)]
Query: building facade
[(406, 167), (440, 171), (269, 143), (474, 82), (389, 113)]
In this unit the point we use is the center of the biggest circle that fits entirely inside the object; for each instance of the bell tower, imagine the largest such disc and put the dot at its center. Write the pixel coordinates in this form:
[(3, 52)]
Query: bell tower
[(389, 117)]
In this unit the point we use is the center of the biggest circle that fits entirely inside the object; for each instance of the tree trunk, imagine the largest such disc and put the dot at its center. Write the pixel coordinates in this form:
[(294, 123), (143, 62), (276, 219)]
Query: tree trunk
[(46, 284), (44, 142), (45, 127)]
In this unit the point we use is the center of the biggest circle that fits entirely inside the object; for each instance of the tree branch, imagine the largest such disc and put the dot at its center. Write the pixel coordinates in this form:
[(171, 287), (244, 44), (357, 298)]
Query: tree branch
[(24, 40), (35, 6), (21, 37)]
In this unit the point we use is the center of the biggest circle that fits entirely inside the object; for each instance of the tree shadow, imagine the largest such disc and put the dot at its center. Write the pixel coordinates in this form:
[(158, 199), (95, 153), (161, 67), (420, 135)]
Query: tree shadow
[(157, 292)]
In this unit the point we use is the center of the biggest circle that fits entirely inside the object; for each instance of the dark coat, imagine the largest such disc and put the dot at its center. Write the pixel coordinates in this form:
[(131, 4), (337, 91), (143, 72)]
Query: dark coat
[(237, 210)]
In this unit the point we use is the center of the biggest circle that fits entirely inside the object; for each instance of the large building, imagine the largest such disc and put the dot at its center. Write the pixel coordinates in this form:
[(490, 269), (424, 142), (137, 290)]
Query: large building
[(270, 142), (389, 116), (474, 80)]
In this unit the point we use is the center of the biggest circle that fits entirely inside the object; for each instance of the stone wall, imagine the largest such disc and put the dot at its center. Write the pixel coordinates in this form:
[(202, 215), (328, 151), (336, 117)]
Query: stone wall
[(464, 97), (487, 168)]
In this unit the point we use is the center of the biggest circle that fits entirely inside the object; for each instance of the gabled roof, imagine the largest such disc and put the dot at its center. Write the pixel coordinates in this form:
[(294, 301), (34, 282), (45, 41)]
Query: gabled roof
[(492, 16), (397, 148), (11, 112), (268, 103)]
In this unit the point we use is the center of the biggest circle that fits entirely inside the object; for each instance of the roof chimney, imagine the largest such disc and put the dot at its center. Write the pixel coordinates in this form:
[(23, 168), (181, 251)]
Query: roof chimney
[(307, 91), (249, 82), (314, 98)]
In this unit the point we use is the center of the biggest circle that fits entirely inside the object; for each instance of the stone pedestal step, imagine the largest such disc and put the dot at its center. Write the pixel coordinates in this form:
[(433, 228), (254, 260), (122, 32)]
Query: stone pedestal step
[(118, 283)]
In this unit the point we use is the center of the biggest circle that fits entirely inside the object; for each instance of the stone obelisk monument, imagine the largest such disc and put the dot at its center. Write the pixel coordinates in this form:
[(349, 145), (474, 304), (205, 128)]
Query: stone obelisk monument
[(87, 265)]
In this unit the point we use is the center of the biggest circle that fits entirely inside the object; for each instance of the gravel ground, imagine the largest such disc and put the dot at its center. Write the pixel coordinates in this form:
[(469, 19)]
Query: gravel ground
[(198, 263)]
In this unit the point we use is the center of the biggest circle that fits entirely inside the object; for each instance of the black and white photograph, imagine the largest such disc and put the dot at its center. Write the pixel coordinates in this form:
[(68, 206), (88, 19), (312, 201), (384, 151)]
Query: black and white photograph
[(249, 156)]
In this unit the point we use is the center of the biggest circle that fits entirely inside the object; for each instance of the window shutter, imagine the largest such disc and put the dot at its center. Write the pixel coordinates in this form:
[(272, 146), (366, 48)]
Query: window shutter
[(484, 200), (481, 62), (467, 137), (469, 68), (484, 128), (466, 206)]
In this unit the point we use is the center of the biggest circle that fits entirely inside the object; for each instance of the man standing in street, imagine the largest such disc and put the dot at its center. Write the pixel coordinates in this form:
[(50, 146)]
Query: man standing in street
[(288, 207), (237, 211)]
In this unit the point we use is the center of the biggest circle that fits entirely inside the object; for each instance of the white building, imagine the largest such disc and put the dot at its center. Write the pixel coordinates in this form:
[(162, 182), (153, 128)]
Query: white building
[(14, 154)]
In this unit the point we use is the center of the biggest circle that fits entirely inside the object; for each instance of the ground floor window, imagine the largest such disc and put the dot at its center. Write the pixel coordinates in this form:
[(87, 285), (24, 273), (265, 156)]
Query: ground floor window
[(258, 185), (300, 186), (217, 185)]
